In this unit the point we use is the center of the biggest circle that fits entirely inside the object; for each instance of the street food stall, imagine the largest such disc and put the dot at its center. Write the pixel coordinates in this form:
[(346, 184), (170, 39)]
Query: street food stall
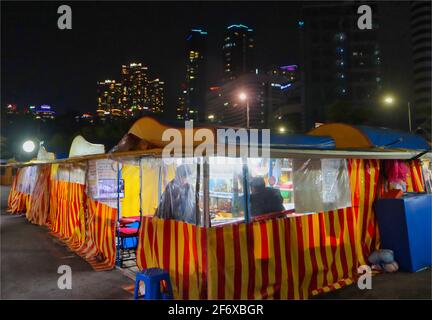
[(324, 231)]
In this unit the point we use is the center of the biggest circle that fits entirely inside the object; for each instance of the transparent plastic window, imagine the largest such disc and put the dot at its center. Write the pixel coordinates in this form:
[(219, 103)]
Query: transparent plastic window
[(271, 187), (320, 185), (102, 181), (226, 194), (178, 199)]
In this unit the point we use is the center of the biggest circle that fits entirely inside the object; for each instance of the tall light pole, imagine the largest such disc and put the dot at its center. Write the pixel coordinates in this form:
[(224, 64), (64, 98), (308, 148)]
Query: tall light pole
[(389, 100), (244, 97)]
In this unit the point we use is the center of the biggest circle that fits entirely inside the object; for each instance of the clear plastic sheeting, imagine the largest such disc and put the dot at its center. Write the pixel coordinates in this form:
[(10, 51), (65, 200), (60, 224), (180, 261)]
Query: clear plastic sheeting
[(74, 173), (151, 185), (226, 194), (270, 183), (178, 199), (27, 180), (103, 182), (320, 185), (426, 166)]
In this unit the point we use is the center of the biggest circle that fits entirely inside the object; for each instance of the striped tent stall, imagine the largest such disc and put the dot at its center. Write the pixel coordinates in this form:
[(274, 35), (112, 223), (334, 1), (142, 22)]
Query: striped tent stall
[(99, 248), (18, 199), (178, 247), (85, 225), (415, 181), (40, 198), (289, 258), (66, 212)]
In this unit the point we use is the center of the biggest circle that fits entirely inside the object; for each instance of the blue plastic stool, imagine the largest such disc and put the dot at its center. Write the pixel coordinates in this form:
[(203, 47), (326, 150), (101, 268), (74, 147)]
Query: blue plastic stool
[(152, 279)]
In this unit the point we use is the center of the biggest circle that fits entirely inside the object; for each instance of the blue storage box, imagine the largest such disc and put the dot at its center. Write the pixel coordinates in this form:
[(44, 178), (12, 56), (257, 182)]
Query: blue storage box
[(405, 227)]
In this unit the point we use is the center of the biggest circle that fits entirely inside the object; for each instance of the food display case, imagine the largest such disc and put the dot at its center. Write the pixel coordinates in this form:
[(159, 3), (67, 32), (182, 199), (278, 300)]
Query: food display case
[(226, 197), (277, 174)]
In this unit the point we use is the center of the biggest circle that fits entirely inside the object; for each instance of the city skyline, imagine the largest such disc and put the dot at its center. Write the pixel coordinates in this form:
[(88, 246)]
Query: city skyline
[(163, 48)]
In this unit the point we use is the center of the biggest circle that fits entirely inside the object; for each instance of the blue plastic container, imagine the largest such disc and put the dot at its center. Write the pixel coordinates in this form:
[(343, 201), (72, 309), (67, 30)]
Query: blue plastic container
[(405, 227)]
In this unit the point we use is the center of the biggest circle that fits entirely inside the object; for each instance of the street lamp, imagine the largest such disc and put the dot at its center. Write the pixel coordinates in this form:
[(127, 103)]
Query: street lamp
[(244, 97), (29, 146), (389, 100)]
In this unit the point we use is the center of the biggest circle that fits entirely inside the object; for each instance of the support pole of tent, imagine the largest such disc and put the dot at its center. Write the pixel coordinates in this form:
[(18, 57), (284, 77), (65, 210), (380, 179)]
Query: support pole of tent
[(246, 194), (140, 191), (68, 190), (197, 192), (87, 195), (118, 215), (161, 170), (206, 200)]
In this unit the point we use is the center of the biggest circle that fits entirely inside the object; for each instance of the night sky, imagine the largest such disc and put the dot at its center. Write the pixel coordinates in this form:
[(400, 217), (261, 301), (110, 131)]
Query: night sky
[(44, 65)]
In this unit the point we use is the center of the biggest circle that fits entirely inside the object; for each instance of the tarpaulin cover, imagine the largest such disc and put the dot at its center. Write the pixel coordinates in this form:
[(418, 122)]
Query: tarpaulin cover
[(393, 139), (362, 137), (302, 141), (151, 130)]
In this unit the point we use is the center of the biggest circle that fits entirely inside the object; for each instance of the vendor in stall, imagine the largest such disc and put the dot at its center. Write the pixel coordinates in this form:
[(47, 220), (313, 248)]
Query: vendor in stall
[(264, 199), (178, 200)]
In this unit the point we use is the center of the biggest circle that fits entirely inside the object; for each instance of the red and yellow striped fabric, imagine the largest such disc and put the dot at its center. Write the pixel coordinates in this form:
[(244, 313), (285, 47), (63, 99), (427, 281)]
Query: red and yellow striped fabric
[(415, 181), (39, 207), (18, 202), (99, 248), (67, 220), (288, 258), (178, 247)]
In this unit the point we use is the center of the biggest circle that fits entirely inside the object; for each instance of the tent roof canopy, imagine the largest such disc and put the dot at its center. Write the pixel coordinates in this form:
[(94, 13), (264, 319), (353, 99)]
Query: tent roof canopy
[(81, 147), (334, 140), (364, 137), (151, 131)]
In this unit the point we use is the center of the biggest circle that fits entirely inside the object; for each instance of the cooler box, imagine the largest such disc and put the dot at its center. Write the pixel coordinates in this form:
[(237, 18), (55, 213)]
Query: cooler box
[(405, 227)]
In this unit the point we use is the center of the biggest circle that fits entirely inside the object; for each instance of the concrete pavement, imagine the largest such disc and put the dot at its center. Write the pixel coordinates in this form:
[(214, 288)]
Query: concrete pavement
[(30, 258), (399, 285)]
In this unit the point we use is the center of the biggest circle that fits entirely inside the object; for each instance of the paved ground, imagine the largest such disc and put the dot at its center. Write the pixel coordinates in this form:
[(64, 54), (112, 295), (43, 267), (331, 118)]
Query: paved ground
[(30, 258), (399, 285)]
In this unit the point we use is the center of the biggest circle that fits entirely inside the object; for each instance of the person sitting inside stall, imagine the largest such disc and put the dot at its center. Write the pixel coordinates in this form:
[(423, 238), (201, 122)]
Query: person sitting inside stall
[(178, 199), (264, 199)]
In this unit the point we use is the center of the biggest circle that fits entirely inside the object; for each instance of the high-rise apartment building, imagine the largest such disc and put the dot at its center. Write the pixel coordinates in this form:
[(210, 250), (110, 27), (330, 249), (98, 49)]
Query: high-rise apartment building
[(238, 51), (155, 89), (196, 52), (422, 59), (134, 91), (134, 95), (342, 63), (181, 105), (273, 102), (109, 98)]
